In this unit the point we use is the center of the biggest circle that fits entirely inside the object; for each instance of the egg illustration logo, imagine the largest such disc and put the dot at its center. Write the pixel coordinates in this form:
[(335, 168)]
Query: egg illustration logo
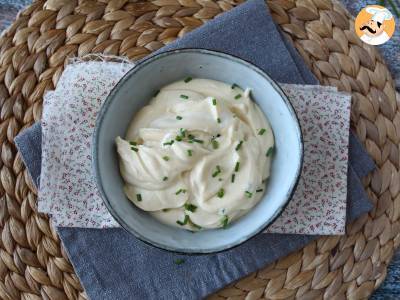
[(374, 25)]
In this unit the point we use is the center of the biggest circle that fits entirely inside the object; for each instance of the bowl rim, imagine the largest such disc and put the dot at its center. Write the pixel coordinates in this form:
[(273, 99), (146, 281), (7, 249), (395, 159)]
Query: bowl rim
[(104, 108)]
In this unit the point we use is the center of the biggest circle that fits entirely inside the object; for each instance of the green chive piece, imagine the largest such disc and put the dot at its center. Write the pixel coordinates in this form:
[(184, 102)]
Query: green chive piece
[(220, 179), (259, 190), (185, 221), (191, 136), (138, 197), (237, 166), (166, 158), (270, 151), (134, 149), (183, 132), (169, 143), (218, 170), (239, 145), (194, 225), (221, 193), (248, 194), (165, 178), (178, 117), (133, 143), (190, 152), (219, 120), (165, 209), (190, 207), (187, 79), (214, 101), (234, 86), (184, 96), (180, 191), (215, 144), (178, 138), (238, 96), (198, 141), (224, 222), (233, 178), (262, 131), (179, 261)]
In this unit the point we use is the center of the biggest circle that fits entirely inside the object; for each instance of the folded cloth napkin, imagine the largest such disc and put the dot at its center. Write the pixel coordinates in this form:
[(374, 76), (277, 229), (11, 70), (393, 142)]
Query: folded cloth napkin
[(141, 271), (68, 190)]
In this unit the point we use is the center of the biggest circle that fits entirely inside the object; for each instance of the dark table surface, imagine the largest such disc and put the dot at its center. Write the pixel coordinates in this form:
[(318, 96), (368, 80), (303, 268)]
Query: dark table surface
[(390, 289)]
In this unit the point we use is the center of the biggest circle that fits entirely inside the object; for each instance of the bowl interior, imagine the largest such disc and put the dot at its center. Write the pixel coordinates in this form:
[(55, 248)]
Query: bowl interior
[(137, 88)]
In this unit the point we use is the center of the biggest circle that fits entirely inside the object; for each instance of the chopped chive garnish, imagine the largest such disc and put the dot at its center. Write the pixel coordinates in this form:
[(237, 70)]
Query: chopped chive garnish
[(248, 194), (219, 120), (233, 178), (183, 132), (194, 225), (270, 151), (214, 101), (191, 136), (218, 135), (185, 221), (261, 132), (165, 209), (138, 197), (221, 193), (198, 141), (180, 191), (190, 152), (179, 261), (187, 79), (133, 143), (178, 138), (219, 179), (215, 144), (218, 170), (234, 85), (237, 166), (184, 96), (259, 190), (169, 143), (238, 96), (156, 93), (190, 207), (178, 117), (166, 158), (165, 178), (239, 145), (134, 149), (224, 222)]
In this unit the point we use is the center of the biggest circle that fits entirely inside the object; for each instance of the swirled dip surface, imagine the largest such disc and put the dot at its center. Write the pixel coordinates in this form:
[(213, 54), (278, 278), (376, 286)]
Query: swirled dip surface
[(198, 155)]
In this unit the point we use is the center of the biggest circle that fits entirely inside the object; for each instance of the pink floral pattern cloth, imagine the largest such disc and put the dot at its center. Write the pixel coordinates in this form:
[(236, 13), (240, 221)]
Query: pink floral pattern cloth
[(318, 205), (68, 191)]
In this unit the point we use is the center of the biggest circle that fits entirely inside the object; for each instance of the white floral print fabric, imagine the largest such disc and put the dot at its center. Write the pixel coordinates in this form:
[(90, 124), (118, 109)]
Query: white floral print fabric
[(68, 191)]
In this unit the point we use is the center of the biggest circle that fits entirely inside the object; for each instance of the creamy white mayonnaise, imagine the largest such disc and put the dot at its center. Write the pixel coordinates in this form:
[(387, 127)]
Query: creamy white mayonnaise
[(198, 155)]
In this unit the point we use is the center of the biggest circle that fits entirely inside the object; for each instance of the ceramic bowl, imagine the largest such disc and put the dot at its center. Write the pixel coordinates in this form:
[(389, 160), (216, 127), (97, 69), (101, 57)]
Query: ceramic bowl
[(134, 91)]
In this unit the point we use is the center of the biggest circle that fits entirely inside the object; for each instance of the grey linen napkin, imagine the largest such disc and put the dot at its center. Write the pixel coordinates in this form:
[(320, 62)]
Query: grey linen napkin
[(112, 264)]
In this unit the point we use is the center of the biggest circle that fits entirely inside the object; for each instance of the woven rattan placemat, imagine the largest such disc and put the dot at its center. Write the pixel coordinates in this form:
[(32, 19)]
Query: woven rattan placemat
[(32, 54)]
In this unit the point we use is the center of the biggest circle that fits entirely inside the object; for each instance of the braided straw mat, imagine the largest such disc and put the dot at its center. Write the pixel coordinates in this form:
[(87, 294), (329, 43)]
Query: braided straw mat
[(33, 264)]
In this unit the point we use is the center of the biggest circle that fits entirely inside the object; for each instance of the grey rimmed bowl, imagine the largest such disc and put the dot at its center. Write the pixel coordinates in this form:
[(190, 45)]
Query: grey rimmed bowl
[(134, 91)]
